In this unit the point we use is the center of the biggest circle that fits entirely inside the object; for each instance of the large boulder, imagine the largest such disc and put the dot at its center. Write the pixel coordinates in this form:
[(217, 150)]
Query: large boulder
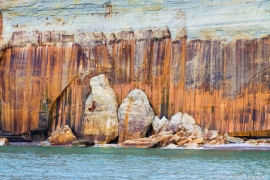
[(142, 143), (4, 142), (175, 122), (212, 134), (160, 125), (100, 122), (135, 116), (189, 124), (62, 136)]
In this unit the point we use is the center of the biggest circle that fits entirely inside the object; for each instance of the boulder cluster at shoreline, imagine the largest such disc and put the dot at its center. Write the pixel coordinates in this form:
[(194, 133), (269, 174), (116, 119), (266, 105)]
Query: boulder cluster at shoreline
[(134, 124)]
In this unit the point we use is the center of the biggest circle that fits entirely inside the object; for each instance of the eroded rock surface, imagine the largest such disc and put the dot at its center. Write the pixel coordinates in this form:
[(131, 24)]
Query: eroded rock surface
[(4, 141), (189, 123), (210, 134), (62, 136), (160, 125), (182, 123), (135, 116), (174, 123), (100, 122)]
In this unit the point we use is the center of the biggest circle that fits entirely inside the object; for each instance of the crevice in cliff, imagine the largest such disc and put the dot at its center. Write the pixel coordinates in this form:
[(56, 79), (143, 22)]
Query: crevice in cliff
[(54, 106), (257, 74)]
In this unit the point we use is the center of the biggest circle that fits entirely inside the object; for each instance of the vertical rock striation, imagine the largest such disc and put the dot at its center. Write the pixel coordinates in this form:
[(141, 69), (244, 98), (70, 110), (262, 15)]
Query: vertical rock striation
[(34, 65), (227, 85), (190, 57)]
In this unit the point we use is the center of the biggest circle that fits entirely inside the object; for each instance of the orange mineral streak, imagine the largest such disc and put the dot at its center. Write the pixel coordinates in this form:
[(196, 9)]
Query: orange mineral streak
[(124, 135), (27, 72), (224, 86)]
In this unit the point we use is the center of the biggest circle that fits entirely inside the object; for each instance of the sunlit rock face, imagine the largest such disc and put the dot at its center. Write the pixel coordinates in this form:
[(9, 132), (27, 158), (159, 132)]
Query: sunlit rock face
[(175, 123), (159, 125), (62, 136), (204, 58), (100, 122), (135, 116)]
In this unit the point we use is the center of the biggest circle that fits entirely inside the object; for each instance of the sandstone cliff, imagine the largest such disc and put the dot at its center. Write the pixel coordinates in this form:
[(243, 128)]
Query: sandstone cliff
[(209, 59)]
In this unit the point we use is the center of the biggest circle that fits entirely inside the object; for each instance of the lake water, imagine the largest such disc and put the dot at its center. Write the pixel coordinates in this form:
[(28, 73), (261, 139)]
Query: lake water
[(119, 163)]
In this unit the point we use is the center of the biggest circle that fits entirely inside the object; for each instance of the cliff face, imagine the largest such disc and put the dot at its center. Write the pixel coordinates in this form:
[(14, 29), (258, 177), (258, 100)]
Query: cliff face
[(31, 71), (214, 66)]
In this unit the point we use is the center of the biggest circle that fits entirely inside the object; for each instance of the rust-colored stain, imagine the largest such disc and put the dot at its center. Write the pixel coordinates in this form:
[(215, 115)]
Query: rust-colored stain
[(254, 134), (93, 107), (123, 131), (223, 86)]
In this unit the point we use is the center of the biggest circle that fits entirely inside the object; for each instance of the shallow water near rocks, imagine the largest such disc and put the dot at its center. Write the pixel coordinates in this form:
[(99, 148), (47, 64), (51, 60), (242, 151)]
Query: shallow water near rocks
[(120, 163)]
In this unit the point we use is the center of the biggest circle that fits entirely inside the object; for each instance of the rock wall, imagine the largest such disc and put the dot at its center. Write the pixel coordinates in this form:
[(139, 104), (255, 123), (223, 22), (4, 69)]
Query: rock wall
[(206, 58), (227, 86), (29, 71)]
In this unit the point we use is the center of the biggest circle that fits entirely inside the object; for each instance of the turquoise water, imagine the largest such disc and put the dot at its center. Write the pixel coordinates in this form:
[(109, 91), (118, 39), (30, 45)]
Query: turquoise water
[(118, 163)]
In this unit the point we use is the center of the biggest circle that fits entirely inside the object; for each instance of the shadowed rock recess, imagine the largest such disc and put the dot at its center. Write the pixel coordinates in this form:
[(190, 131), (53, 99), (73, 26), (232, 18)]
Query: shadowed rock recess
[(202, 58)]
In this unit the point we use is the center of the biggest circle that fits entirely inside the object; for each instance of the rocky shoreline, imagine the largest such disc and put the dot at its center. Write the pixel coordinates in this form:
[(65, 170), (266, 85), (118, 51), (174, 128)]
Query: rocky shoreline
[(163, 140), (133, 124), (260, 147)]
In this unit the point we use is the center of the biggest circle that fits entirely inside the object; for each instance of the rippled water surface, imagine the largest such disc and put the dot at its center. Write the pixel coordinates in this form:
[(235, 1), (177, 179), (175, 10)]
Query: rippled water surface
[(119, 163)]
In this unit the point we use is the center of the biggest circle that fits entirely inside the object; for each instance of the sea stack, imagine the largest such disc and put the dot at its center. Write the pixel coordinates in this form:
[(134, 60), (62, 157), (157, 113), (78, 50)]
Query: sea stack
[(100, 122)]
